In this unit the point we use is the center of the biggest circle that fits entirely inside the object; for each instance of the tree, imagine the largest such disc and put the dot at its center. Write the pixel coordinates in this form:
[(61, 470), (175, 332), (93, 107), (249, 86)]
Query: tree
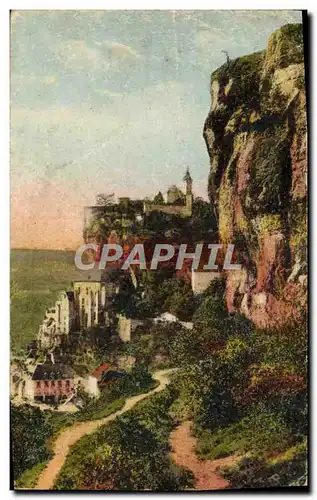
[(105, 200), (227, 57), (203, 223), (158, 199), (29, 431), (105, 218), (178, 298)]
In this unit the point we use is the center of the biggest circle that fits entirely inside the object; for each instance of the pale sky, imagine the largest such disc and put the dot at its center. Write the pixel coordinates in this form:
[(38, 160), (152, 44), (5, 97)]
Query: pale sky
[(113, 102)]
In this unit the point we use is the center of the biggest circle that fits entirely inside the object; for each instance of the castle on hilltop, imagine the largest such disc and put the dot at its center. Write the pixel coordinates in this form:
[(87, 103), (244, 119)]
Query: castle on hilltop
[(127, 212), (177, 202)]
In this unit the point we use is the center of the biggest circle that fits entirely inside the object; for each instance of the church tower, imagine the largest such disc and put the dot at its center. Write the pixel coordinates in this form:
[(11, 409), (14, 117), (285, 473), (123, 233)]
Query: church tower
[(188, 190), (188, 182)]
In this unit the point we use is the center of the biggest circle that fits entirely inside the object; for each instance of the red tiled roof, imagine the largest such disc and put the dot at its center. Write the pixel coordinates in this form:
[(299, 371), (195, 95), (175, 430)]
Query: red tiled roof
[(98, 371)]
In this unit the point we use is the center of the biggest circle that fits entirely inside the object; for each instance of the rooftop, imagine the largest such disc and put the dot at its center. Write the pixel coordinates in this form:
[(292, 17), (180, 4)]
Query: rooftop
[(49, 371), (174, 189), (101, 369)]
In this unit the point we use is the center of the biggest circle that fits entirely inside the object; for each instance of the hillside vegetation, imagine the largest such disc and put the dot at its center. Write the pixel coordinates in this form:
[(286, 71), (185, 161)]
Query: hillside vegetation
[(37, 277), (244, 389)]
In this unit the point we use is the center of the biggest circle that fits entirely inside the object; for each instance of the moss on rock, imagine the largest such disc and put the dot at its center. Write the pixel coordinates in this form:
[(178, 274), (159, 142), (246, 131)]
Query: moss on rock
[(239, 80), (285, 47), (269, 224), (226, 210), (256, 138)]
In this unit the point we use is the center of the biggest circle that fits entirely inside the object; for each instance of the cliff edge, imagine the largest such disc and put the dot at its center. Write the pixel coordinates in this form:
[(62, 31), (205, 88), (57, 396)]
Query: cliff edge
[(255, 134)]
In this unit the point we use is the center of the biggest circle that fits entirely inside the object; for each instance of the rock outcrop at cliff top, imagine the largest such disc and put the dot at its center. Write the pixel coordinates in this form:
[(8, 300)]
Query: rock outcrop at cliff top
[(256, 139)]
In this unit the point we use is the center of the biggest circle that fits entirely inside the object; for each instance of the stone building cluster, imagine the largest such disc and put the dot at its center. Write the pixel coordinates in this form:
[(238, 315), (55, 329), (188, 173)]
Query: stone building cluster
[(177, 202), (89, 304), (127, 213), (59, 320), (85, 306)]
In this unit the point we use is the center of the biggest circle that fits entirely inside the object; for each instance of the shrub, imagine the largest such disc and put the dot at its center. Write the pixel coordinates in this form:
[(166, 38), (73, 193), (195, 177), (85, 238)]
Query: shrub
[(290, 469), (30, 432), (129, 454), (261, 432), (30, 477)]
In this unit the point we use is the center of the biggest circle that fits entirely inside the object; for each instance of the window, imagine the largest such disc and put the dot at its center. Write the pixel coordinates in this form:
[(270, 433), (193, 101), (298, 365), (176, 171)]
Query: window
[(38, 384), (46, 383), (59, 383), (67, 383)]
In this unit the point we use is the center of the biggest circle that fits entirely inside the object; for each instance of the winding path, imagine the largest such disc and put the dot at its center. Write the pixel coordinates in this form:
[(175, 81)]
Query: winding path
[(71, 435), (183, 446)]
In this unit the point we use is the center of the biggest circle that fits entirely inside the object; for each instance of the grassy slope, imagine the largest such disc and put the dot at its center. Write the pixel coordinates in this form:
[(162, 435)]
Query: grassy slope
[(37, 276)]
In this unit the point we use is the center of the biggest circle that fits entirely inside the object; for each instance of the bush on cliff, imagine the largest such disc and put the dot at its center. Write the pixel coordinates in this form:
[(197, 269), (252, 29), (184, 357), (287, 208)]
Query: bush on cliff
[(287, 469), (29, 435)]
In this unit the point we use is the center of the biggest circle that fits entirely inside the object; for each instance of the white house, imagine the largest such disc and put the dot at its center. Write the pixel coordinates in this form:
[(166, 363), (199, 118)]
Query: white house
[(168, 317)]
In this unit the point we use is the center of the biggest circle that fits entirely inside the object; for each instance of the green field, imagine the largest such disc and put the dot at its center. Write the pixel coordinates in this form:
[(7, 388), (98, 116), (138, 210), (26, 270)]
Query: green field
[(37, 277)]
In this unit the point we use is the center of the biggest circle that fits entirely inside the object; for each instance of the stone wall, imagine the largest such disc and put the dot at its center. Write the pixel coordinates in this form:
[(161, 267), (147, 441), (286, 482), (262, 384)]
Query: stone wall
[(181, 210)]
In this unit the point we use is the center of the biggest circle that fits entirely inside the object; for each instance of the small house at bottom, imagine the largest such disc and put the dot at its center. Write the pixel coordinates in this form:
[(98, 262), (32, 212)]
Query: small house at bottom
[(105, 374), (50, 383)]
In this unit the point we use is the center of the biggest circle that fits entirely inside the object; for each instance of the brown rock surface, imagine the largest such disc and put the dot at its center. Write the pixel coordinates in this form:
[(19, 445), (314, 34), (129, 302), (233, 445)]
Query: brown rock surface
[(255, 134)]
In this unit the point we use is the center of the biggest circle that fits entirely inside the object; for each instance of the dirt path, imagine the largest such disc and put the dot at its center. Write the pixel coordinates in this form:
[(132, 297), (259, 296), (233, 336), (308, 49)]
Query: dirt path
[(69, 437), (205, 471)]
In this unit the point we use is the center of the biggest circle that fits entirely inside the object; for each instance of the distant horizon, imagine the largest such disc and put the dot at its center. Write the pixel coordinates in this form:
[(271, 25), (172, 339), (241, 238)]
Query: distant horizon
[(44, 249)]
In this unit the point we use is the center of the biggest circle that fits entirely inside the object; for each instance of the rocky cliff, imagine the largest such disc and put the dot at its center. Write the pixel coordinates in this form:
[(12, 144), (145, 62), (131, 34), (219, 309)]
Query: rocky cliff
[(255, 134)]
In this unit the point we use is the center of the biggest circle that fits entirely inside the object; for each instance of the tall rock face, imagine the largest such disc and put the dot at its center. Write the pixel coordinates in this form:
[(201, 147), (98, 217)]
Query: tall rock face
[(255, 134)]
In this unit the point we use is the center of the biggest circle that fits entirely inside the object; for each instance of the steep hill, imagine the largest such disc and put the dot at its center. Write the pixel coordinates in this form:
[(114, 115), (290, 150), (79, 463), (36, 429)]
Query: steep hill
[(255, 134)]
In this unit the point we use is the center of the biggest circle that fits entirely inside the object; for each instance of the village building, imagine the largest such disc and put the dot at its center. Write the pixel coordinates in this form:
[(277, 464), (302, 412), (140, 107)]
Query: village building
[(99, 378), (128, 213), (87, 305), (91, 383), (106, 374), (50, 383), (100, 371), (127, 327), (177, 202), (59, 320), (53, 383), (90, 294), (168, 317)]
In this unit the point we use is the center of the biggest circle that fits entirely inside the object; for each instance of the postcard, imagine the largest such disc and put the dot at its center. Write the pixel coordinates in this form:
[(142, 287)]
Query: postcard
[(159, 268)]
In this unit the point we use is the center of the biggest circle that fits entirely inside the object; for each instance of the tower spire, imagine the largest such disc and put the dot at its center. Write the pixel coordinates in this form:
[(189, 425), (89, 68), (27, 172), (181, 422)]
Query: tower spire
[(187, 176), (189, 191)]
